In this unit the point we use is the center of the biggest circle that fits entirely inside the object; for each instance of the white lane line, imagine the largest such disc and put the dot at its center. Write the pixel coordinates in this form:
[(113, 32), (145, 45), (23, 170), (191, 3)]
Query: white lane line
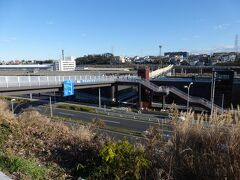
[(68, 114), (115, 122)]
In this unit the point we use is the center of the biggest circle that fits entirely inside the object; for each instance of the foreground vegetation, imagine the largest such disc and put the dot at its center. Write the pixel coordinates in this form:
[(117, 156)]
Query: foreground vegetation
[(33, 146)]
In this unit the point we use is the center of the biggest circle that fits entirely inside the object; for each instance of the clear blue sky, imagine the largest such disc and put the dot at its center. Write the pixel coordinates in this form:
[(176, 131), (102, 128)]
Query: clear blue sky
[(39, 29)]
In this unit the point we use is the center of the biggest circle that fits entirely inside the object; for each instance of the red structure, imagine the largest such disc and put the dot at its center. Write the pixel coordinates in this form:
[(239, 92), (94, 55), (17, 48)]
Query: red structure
[(144, 73), (144, 94)]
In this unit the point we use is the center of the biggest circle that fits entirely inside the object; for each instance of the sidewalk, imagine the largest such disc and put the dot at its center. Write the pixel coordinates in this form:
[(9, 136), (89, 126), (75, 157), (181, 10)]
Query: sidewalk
[(4, 177)]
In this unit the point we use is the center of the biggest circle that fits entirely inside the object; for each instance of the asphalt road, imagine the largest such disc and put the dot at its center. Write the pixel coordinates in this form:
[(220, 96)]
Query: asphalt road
[(117, 122)]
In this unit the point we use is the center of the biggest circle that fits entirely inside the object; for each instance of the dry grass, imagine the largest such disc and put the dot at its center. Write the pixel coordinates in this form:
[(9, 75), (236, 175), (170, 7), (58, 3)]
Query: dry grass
[(6, 116), (35, 136), (201, 148)]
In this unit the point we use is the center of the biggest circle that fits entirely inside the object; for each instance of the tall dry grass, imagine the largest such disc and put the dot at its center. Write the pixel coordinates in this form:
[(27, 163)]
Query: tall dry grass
[(35, 136), (201, 148), (6, 116)]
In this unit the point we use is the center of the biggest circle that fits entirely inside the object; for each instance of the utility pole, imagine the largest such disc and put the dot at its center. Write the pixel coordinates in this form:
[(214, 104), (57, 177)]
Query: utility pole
[(50, 104), (222, 102), (213, 91), (188, 88)]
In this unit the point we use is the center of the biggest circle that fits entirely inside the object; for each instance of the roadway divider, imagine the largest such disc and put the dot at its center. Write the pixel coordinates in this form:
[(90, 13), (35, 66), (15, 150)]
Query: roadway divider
[(164, 121), (135, 116)]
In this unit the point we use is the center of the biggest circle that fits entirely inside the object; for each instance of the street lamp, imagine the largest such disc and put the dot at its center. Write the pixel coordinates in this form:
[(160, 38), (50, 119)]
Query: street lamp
[(12, 102), (188, 87), (50, 104)]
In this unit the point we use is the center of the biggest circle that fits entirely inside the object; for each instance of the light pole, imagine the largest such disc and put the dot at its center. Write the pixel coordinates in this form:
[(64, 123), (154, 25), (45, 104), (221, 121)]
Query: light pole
[(188, 87), (50, 104), (213, 84), (222, 103), (12, 102)]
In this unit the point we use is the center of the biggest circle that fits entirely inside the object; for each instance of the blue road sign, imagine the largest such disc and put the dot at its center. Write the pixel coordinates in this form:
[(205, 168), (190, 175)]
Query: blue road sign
[(68, 88)]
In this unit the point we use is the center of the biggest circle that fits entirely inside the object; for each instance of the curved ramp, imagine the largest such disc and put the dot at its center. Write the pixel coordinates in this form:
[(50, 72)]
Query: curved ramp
[(160, 71)]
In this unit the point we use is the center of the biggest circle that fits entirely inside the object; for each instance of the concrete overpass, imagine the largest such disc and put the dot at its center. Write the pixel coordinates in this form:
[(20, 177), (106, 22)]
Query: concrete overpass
[(16, 85)]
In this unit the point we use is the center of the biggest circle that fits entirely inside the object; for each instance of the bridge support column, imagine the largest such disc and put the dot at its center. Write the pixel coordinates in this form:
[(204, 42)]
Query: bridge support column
[(163, 101), (99, 97), (112, 93), (139, 96), (30, 95), (116, 94)]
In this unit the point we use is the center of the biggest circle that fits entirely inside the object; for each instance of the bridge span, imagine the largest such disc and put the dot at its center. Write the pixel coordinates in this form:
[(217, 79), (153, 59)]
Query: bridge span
[(16, 85)]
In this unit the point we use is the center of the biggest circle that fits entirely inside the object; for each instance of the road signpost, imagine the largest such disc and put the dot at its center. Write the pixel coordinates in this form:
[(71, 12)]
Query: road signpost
[(68, 88)]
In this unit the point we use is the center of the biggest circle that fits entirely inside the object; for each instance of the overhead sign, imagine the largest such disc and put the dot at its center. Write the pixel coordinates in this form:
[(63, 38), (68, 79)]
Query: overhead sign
[(68, 88)]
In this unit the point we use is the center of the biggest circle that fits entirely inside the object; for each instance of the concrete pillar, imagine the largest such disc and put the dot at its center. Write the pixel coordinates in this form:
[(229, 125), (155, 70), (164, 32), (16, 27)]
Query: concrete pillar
[(99, 97), (116, 93), (112, 93), (173, 72), (139, 96), (163, 101), (30, 95)]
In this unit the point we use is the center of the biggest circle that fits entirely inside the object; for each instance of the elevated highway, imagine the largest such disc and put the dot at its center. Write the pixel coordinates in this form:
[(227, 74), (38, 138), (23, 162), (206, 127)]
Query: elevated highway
[(16, 85)]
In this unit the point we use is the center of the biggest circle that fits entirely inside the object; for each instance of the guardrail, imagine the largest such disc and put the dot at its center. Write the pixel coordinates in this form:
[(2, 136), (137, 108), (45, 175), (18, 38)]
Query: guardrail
[(29, 81), (192, 99), (132, 115)]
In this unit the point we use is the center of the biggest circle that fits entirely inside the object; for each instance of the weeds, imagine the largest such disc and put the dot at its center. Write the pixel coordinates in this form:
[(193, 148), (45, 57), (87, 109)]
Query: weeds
[(22, 168), (76, 107)]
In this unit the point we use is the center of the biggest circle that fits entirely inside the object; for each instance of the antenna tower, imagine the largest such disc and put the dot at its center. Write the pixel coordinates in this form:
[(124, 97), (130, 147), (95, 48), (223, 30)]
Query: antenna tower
[(63, 54), (236, 44), (160, 48)]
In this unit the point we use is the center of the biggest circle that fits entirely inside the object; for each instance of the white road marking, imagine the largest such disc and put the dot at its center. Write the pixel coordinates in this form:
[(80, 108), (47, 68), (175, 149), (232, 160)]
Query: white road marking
[(115, 122), (68, 114)]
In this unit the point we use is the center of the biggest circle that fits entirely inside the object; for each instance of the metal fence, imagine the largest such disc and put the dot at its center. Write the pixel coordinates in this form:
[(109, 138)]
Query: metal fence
[(29, 81)]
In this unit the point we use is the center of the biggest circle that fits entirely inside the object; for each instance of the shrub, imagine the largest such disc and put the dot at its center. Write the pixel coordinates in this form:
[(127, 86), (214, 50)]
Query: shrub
[(120, 161)]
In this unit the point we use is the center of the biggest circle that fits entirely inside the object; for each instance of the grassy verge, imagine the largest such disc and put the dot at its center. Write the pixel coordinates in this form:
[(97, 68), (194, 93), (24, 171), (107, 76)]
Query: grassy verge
[(19, 100), (76, 107), (26, 167)]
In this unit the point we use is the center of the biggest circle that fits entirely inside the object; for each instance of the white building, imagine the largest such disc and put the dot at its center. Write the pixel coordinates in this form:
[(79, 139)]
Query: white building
[(66, 64), (120, 59)]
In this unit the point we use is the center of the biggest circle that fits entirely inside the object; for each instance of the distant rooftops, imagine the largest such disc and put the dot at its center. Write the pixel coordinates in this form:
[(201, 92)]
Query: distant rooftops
[(27, 66)]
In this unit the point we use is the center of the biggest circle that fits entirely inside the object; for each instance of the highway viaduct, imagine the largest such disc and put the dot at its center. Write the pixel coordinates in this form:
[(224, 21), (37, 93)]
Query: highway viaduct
[(17, 85)]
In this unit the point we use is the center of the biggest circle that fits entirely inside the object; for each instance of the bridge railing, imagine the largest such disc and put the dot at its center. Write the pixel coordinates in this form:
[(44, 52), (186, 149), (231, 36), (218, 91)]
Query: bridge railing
[(193, 99), (31, 81)]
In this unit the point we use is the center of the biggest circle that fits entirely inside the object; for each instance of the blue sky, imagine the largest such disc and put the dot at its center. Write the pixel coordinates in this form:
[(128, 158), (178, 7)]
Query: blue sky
[(39, 29)]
